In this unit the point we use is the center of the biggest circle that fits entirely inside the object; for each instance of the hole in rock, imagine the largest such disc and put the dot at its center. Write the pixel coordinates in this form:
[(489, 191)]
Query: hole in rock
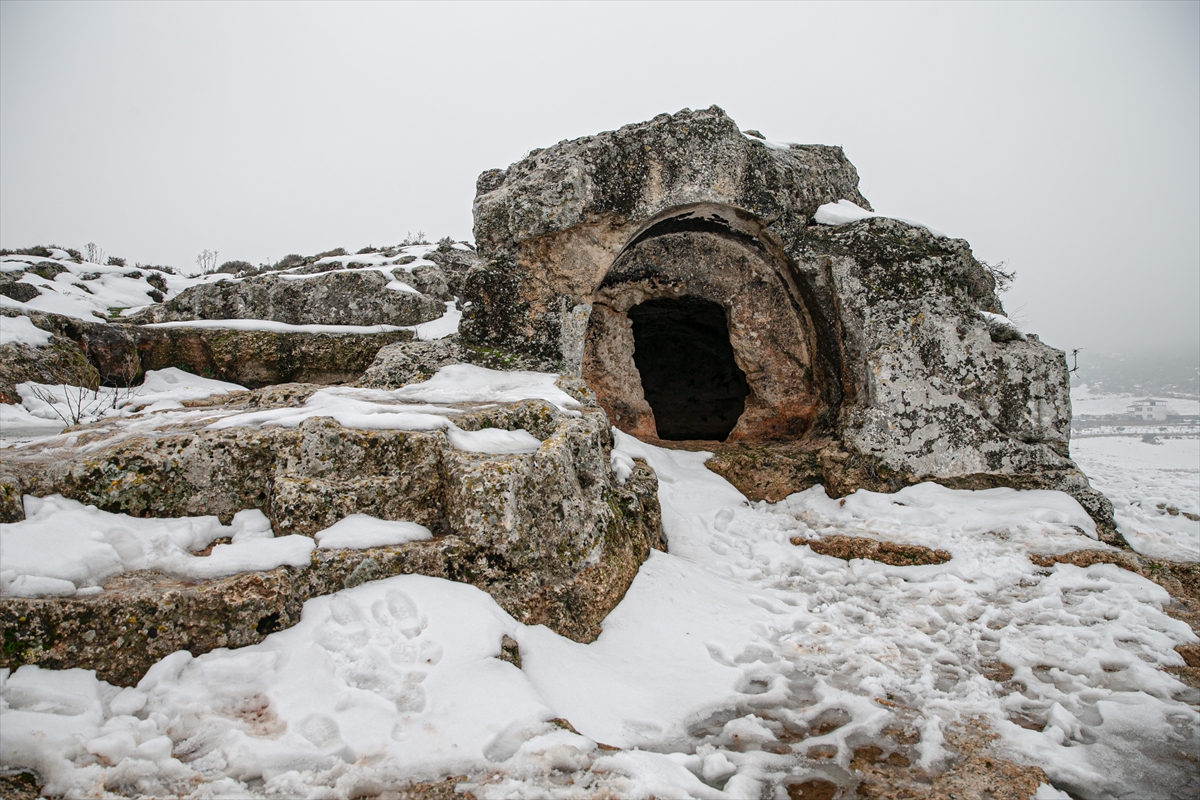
[(689, 377)]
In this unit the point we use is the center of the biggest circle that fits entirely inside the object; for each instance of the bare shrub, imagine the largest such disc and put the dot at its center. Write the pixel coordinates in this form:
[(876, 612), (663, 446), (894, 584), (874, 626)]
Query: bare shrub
[(207, 261), (1002, 276), (76, 405)]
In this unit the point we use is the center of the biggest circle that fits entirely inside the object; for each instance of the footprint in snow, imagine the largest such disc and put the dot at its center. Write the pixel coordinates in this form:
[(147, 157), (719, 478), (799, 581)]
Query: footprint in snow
[(382, 651)]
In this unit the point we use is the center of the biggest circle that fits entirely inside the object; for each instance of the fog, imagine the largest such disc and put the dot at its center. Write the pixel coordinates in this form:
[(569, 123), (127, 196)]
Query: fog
[(1062, 139)]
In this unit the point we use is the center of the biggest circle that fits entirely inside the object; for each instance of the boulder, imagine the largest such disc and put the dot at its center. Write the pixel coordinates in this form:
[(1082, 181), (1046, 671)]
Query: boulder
[(455, 261), (118, 354), (676, 267), (337, 297)]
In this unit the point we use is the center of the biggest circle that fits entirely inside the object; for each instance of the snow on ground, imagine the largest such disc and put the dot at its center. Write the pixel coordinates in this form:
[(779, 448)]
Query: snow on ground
[(46, 410), (361, 531), (1144, 481), (63, 547), (1002, 321), (844, 212), (60, 405), (415, 253), (403, 409), (440, 328), (1153, 486), (21, 330), (722, 655), (92, 292), (18, 425)]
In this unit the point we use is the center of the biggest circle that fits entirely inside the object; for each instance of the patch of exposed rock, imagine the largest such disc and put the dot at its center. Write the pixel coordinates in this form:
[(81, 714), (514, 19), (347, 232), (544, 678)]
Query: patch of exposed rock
[(415, 361), (893, 553), (262, 358), (339, 297), (976, 770), (676, 267), (550, 535), (59, 361)]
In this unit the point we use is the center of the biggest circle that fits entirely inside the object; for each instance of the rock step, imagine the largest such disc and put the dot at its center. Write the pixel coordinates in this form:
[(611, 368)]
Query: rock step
[(263, 358), (142, 617), (550, 535)]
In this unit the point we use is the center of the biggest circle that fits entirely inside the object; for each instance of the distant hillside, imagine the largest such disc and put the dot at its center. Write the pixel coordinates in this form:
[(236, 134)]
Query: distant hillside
[(1169, 371)]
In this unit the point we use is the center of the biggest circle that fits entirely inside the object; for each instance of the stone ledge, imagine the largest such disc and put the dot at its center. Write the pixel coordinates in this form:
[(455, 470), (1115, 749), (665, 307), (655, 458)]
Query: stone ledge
[(143, 616)]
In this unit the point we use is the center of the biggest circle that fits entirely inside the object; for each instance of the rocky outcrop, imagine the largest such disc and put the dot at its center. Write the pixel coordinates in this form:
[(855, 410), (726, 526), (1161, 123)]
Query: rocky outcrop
[(413, 361), (455, 263), (58, 361), (550, 534), (144, 616), (119, 354), (551, 225), (338, 297), (261, 358), (676, 267)]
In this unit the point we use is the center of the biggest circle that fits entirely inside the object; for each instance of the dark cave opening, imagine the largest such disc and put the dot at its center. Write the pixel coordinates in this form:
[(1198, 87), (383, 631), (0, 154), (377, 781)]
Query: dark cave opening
[(689, 377)]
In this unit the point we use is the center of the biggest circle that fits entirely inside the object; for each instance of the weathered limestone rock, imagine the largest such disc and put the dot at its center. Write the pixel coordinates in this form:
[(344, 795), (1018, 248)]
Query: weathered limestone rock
[(551, 535), (674, 266), (551, 226), (118, 354), (261, 358), (59, 361), (455, 262), (415, 361), (339, 297), (428, 280)]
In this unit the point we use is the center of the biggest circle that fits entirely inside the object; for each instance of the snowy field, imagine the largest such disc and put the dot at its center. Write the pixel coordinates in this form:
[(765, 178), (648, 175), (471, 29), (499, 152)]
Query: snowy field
[(737, 664), (1153, 486), (1153, 489), (1086, 402)]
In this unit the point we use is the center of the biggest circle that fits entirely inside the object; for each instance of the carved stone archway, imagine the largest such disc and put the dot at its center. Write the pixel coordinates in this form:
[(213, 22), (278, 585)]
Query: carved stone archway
[(668, 280)]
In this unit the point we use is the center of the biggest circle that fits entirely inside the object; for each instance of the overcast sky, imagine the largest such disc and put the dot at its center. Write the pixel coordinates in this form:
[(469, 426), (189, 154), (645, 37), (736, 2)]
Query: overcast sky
[(1061, 138)]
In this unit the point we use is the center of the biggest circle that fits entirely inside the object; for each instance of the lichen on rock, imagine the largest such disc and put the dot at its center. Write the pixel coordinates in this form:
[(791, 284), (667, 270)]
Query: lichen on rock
[(879, 343), (338, 297), (551, 534)]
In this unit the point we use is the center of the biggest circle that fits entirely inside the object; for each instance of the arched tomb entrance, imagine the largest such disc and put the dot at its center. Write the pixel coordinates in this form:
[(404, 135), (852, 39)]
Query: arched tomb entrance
[(698, 331), (690, 379)]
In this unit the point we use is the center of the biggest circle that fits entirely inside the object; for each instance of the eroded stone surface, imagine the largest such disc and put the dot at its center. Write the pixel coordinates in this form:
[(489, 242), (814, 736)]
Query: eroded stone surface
[(551, 225), (338, 297), (894, 553), (871, 352), (414, 361), (550, 535), (261, 358), (119, 354)]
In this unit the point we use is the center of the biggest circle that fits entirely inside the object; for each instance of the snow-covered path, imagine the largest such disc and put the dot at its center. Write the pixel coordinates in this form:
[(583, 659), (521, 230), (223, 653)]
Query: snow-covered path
[(738, 663)]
